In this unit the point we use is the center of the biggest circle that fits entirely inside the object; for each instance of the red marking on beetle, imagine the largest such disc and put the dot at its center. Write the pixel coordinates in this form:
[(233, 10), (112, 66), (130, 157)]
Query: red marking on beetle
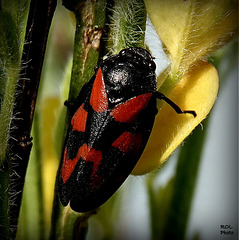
[(68, 166), (129, 110), (128, 142), (98, 98), (89, 154), (78, 121)]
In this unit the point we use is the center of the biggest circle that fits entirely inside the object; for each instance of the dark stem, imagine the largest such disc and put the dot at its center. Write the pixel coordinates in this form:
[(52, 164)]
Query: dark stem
[(39, 21)]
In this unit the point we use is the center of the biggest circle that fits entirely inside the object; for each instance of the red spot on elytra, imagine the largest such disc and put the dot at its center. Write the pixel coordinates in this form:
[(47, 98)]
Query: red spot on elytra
[(128, 142), (98, 97), (88, 154), (78, 121), (129, 110)]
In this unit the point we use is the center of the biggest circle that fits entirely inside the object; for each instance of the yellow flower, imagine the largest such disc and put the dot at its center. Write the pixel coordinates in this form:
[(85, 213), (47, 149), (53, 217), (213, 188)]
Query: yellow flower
[(197, 90), (192, 29), (189, 30)]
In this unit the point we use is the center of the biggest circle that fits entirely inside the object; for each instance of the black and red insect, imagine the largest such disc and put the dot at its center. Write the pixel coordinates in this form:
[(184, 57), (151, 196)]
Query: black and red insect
[(113, 118)]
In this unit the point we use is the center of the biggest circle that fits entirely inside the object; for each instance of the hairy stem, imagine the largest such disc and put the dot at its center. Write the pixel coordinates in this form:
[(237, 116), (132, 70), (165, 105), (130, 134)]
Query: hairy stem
[(24, 99)]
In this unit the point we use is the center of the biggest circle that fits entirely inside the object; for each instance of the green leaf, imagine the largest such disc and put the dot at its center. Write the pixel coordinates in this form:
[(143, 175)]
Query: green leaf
[(12, 29)]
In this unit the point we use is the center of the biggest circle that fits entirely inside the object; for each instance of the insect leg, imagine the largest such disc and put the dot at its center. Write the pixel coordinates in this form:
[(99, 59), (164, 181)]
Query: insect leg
[(177, 109)]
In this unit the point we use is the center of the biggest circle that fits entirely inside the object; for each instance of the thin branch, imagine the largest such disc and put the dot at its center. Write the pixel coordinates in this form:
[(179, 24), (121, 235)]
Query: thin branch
[(39, 21)]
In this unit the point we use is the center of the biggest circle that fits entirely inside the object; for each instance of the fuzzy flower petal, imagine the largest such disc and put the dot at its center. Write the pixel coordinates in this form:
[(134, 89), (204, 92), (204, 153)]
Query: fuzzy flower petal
[(192, 29), (196, 91)]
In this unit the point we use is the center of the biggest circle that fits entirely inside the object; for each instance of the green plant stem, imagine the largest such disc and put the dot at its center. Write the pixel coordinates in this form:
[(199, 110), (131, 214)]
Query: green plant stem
[(23, 100), (90, 20), (170, 205), (169, 83), (88, 48), (159, 205), (127, 25), (12, 17), (12, 22), (184, 184), (6, 114)]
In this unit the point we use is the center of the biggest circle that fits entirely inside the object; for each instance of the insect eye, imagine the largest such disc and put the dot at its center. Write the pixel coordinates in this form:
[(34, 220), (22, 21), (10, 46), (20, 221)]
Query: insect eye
[(152, 65)]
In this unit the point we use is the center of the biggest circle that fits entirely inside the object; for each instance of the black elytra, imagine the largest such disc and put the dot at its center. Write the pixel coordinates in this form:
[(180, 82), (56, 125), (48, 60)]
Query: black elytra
[(111, 123)]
